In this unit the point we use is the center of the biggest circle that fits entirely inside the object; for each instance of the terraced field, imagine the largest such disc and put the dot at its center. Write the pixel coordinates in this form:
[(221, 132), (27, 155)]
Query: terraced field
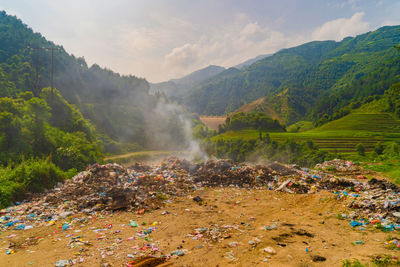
[(338, 136), (363, 122)]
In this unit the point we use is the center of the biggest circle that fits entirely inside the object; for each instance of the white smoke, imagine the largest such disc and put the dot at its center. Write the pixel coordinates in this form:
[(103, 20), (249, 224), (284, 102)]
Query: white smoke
[(165, 113)]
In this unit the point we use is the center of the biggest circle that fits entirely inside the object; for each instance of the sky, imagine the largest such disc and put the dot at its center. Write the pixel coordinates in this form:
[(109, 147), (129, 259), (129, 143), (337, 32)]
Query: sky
[(163, 39)]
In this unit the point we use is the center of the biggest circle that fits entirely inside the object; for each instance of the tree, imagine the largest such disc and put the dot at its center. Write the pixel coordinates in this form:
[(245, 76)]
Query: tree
[(360, 149), (379, 148)]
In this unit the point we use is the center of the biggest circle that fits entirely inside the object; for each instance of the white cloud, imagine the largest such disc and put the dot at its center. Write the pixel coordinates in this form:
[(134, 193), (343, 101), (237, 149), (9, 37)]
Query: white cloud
[(225, 46), (184, 56), (340, 28)]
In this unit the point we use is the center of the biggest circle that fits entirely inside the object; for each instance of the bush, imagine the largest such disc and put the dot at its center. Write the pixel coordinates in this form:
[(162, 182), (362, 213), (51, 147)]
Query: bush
[(30, 176), (360, 149), (379, 148)]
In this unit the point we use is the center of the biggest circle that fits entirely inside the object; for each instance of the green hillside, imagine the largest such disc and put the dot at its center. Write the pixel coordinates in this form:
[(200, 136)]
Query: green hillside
[(308, 81), (341, 135), (363, 122), (119, 106)]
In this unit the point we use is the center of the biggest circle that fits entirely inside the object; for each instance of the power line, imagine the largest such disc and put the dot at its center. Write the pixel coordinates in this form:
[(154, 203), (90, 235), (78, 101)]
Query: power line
[(37, 90)]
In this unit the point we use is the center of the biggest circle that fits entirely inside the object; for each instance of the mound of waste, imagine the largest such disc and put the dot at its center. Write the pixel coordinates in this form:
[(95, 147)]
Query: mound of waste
[(110, 187)]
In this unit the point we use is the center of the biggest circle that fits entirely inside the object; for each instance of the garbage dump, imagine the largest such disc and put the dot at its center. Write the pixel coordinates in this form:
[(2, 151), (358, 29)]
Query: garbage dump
[(111, 187)]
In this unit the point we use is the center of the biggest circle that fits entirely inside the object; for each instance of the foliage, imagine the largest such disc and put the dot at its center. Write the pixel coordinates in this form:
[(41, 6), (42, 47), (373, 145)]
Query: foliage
[(308, 81), (379, 148), (289, 151), (32, 175), (37, 127), (117, 105), (300, 126), (353, 263), (360, 149), (256, 120)]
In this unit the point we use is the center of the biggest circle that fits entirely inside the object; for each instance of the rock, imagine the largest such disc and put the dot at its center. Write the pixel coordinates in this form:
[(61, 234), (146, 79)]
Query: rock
[(269, 250), (198, 199), (61, 263), (317, 258)]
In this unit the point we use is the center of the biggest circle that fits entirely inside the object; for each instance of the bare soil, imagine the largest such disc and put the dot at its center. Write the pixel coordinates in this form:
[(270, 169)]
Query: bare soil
[(213, 122), (307, 229)]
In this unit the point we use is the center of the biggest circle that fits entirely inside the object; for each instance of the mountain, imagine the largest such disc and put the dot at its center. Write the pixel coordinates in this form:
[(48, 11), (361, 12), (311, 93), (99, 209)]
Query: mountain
[(307, 81), (178, 87), (251, 61), (120, 107)]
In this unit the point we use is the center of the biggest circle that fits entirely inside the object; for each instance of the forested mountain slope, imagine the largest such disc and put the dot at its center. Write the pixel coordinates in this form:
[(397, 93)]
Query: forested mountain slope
[(309, 80), (119, 106)]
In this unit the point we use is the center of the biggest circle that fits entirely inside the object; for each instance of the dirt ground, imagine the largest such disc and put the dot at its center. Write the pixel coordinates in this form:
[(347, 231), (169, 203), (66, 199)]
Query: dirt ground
[(213, 122), (307, 227)]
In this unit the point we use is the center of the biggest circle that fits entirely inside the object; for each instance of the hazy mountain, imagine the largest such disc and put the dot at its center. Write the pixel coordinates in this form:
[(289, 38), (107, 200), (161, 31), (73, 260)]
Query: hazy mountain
[(178, 87)]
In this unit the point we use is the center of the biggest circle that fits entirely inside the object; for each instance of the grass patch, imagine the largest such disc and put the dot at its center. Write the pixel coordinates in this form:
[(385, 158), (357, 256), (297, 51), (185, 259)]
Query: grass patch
[(339, 136), (363, 122), (389, 168), (353, 263)]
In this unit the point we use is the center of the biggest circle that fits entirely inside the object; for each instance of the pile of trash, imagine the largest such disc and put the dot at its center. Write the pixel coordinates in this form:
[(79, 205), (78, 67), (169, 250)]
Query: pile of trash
[(113, 187), (225, 173), (380, 202), (110, 187), (339, 165)]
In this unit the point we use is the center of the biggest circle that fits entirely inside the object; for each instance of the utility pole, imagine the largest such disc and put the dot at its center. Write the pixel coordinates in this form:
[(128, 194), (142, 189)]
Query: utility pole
[(52, 71), (37, 71), (37, 91)]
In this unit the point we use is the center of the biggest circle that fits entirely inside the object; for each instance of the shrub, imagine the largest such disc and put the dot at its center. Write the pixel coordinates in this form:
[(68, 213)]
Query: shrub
[(29, 176), (360, 149)]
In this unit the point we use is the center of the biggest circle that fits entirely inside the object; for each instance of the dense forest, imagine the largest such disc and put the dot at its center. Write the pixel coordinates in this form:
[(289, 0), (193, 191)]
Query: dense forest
[(120, 107), (309, 81)]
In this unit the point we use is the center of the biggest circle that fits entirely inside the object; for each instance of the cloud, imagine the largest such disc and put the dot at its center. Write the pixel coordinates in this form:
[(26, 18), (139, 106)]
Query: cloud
[(184, 56), (341, 28), (225, 46)]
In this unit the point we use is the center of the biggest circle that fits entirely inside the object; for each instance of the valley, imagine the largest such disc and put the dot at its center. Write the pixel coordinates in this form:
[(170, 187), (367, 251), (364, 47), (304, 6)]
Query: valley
[(236, 140)]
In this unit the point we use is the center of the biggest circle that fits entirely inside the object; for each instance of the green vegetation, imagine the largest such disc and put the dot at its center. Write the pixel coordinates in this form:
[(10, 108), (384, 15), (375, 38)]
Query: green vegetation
[(37, 127), (93, 111), (340, 136), (33, 128), (389, 168), (384, 123), (300, 126), (264, 149), (261, 148), (33, 175), (256, 120), (376, 261), (317, 81), (360, 149), (124, 114), (353, 263)]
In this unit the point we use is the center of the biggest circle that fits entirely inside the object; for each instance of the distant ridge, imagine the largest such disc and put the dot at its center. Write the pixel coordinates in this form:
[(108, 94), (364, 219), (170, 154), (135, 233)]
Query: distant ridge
[(177, 87), (251, 61), (307, 81)]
